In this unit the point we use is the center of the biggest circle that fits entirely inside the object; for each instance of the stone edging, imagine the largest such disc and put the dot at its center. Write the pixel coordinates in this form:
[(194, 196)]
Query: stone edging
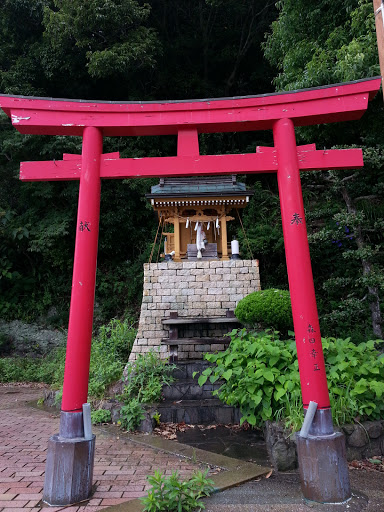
[(363, 440)]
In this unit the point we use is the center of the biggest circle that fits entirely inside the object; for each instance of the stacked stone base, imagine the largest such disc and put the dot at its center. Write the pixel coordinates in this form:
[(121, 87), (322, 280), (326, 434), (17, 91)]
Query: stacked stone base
[(193, 289), (362, 441)]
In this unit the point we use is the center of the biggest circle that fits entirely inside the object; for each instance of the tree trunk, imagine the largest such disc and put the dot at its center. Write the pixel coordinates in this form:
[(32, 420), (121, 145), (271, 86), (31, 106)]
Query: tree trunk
[(373, 293)]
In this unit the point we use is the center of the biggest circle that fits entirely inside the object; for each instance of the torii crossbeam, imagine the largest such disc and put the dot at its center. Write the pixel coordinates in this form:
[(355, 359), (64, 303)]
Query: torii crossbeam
[(186, 119)]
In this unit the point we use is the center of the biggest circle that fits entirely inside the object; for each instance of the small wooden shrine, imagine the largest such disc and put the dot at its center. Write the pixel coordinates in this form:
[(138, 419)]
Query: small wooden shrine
[(199, 209)]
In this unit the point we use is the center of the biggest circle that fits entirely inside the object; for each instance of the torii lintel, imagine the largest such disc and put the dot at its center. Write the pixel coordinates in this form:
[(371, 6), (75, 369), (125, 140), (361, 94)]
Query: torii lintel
[(263, 161)]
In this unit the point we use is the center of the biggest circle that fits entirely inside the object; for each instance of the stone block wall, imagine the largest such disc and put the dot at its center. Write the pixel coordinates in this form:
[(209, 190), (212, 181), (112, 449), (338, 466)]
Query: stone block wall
[(193, 289), (362, 440)]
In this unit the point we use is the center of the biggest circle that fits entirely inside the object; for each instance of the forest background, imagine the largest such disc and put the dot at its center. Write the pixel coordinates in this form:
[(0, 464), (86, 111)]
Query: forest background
[(182, 49)]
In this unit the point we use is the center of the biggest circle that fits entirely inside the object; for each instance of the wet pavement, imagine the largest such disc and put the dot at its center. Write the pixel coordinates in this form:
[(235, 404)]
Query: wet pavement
[(123, 461), (247, 445), (121, 465), (281, 493)]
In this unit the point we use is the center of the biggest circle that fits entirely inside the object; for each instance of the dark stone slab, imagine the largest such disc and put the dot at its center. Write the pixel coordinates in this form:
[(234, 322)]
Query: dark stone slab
[(198, 412), (359, 437), (374, 429)]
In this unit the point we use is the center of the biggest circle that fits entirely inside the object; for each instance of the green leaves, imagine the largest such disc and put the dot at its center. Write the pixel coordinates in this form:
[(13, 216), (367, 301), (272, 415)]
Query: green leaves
[(264, 383), (170, 494), (131, 414), (109, 36), (248, 379)]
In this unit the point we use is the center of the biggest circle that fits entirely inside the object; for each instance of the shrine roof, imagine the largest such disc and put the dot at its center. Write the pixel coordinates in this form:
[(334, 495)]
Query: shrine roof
[(200, 186)]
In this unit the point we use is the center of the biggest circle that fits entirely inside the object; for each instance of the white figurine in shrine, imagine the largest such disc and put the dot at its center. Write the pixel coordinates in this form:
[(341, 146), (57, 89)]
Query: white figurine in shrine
[(201, 239)]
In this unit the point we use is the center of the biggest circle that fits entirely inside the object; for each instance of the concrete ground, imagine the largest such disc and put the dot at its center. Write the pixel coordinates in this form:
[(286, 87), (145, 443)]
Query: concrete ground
[(122, 463)]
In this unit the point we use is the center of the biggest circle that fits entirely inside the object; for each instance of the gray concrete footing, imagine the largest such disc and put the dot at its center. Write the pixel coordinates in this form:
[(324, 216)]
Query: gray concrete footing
[(323, 468), (69, 470)]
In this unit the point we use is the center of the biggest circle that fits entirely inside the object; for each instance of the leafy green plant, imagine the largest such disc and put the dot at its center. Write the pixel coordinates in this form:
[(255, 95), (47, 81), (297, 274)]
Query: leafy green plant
[(100, 416), (110, 352), (268, 308), (257, 370), (156, 416), (173, 495), (260, 376), (146, 377), (355, 378), (46, 369), (144, 382), (131, 414), (117, 337)]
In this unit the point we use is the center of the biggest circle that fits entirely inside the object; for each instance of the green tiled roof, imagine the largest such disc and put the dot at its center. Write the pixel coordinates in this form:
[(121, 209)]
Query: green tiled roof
[(210, 185)]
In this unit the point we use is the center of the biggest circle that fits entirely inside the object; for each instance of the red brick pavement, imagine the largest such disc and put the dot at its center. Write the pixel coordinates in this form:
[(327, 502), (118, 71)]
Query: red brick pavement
[(120, 471)]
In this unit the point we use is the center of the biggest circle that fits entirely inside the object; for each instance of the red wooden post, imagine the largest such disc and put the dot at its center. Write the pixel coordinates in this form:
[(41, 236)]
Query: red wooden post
[(304, 309), (70, 449), (323, 451), (76, 375)]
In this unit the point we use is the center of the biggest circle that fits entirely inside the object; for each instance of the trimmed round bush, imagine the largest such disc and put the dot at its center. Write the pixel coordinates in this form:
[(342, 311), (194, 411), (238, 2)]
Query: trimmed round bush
[(268, 308)]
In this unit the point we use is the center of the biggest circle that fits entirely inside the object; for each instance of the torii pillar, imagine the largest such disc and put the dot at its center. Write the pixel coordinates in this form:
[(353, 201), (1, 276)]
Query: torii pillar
[(70, 457), (322, 460)]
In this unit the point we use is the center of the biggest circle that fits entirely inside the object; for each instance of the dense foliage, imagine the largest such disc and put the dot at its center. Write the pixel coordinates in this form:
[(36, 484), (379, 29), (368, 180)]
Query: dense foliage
[(260, 375), (316, 45), (144, 381), (110, 351), (170, 494), (49, 369), (120, 49), (131, 50), (269, 308)]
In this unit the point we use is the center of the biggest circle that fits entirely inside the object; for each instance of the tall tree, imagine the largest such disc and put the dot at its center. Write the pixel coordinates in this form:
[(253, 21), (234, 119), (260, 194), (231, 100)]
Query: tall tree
[(108, 50), (313, 45)]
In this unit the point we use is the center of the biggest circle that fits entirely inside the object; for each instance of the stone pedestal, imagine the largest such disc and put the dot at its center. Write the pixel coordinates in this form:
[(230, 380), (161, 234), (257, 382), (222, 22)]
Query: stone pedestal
[(192, 289), (69, 470), (323, 468)]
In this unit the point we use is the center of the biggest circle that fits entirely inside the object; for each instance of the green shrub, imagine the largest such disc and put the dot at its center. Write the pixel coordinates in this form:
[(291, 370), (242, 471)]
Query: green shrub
[(117, 337), (46, 369), (100, 416), (109, 354), (146, 378), (131, 414), (267, 308), (355, 378), (144, 383), (257, 370), (260, 376), (172, 495)]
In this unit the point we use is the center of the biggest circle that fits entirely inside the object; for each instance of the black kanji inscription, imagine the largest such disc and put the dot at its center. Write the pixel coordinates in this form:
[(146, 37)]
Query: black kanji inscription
[(314, 353), (312, 340), (84, 226), (316, 367), (296, 219)]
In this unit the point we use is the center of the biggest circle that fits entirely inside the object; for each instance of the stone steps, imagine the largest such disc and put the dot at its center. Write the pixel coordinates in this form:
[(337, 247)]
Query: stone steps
[(186, 401), (198, 412), (189, 389)]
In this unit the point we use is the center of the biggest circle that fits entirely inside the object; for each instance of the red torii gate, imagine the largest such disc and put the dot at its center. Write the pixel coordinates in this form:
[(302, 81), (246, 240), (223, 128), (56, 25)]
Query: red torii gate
[(280, 112)]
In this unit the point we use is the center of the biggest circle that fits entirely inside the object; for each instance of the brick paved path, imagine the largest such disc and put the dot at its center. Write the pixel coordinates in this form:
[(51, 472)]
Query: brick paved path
[(120, 469)]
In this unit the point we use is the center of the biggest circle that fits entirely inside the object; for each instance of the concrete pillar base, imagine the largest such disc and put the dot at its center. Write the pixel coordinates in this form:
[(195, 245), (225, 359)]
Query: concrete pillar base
[(69, 470), (323, 468)]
